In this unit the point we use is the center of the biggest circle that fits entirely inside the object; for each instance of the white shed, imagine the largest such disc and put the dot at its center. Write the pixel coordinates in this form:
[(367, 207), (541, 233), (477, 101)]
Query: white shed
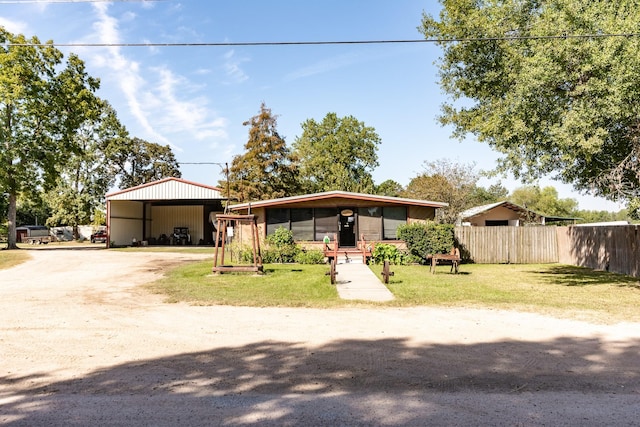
[(155, 211)]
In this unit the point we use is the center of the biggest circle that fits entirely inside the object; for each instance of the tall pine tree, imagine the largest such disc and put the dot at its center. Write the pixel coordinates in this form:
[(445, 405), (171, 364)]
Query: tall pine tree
[(265, 170)]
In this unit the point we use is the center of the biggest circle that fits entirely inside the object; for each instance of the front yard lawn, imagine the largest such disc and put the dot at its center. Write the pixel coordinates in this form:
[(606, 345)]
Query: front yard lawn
[(553, 289), (285, 285)]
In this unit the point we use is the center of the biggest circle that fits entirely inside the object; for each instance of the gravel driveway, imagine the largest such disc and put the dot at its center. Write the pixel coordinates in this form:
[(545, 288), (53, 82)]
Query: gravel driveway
[(82, 343)]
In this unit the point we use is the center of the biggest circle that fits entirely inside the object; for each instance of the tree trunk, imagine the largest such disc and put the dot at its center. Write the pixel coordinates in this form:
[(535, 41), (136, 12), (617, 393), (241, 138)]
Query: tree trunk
[(11, 238)]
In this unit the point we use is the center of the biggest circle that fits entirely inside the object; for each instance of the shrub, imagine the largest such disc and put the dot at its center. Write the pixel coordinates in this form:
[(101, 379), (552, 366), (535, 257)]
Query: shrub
[(427, 238), (314, 256), (385, 252), (281, 247)]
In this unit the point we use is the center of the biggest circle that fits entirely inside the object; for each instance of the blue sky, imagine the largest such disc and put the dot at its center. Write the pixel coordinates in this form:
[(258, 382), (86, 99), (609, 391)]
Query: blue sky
[(196, 98)]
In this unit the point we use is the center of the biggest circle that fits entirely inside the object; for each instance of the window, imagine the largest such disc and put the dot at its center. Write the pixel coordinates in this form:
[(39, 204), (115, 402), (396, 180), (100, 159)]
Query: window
[(496, 222), (374, 222), (326, 223), (302, 224), (393, 216), (370, 222), (277, 218)]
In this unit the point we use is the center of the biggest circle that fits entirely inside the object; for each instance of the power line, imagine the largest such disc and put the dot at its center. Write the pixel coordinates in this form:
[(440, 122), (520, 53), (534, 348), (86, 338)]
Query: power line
[(339, 42)]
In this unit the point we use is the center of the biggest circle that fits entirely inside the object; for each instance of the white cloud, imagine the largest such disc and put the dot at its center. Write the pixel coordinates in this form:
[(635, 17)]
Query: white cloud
[(191, 115), (232, 67), (128, 16), (15, 27), (162, 103), (324, 66)]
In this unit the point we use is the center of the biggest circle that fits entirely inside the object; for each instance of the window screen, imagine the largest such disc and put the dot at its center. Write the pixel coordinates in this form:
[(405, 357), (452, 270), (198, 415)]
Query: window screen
[(326, 223), (277, 218), (370, 222), (393, 217), (302, 224)]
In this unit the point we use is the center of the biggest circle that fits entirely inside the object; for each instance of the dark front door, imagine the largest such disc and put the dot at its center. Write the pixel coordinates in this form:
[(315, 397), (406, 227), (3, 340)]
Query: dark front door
[(347, 227)]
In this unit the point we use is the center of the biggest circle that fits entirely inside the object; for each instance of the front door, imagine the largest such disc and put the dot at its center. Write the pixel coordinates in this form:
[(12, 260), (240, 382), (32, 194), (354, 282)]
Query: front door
[(347, 227)]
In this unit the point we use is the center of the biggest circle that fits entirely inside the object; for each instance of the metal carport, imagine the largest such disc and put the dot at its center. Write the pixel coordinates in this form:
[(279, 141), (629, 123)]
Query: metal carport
[(148, 211)]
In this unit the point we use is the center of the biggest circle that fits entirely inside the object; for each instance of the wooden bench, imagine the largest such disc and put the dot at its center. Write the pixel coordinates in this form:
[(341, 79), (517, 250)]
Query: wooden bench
[(453, 257)]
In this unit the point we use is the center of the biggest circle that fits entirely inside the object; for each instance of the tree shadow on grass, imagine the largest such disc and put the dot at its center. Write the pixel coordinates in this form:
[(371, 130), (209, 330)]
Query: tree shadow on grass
[(567, 275), (345, 382)]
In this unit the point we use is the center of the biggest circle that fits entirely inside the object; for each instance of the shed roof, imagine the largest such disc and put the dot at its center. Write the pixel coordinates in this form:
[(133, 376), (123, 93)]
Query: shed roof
[(478, 210), (374, 198), (168, 189)]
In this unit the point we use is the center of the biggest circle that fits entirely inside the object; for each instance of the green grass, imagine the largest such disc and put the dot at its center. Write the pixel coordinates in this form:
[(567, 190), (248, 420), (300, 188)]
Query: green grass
[(10, 259), (281, 285), (553, 289)]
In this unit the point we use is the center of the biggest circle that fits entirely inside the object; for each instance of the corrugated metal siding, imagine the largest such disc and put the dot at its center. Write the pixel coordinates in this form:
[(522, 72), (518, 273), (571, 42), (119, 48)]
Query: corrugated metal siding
[(169, 190), (164, 218), (126, 222)]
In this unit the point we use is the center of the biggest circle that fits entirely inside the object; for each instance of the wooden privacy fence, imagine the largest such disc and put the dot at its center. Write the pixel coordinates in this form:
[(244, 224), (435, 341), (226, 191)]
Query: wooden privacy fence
[(611, 248), (517, 245)]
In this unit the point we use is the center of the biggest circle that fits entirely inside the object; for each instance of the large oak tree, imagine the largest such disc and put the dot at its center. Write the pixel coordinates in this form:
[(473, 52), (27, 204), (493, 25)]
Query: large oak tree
[(43, 102), (552, 85), (338, 153)]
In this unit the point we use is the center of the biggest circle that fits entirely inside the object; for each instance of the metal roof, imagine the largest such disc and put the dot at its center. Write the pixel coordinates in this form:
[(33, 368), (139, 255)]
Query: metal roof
[(337, 194), (168, 189), (477, 210)]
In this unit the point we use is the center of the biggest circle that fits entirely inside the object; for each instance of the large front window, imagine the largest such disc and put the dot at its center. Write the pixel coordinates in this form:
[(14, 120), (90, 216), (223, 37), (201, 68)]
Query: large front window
[(302, 224), (370, 223), (313, 224), (326, 223), (393, 217)]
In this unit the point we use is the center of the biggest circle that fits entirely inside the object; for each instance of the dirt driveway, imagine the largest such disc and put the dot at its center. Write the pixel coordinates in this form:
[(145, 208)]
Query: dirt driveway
[(81, 343)]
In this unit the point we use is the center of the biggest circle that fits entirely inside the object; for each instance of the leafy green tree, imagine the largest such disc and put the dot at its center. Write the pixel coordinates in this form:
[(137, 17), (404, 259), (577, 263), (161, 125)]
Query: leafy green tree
[(546, 85), (31, 208), (588, 216), (138, 161), (544, 201), (43, 102), (495, 193), (337, 154), (389, 188), (265, 170), (448, 182), (634, 209), (88, 174)]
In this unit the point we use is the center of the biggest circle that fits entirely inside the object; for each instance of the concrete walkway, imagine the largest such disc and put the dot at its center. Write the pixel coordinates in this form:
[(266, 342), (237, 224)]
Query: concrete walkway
[(356, 281)]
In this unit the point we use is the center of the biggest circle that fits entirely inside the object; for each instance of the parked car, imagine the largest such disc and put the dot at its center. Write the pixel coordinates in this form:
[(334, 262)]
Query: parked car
[(99, 236)]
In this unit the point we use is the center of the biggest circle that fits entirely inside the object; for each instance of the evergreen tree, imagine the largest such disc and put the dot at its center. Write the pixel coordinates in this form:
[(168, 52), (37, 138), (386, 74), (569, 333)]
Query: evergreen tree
[(265, 170)]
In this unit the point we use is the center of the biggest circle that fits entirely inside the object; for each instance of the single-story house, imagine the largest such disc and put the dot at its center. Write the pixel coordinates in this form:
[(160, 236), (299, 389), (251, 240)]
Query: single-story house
[(168, 211), (505, 213), (348, 216)]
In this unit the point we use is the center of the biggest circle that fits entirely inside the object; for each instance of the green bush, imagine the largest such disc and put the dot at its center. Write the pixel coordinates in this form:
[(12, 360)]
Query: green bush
[(385, 252), (427, 238), (281, 247), (314, 256)]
